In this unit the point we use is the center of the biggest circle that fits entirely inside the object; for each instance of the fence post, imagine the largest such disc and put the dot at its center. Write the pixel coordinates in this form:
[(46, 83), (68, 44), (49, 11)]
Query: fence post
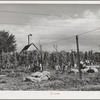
[(41, 56), (78, 57)]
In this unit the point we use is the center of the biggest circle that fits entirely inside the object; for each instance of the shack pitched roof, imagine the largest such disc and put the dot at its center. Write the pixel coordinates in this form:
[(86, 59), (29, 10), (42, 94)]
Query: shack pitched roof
[(28, 46)]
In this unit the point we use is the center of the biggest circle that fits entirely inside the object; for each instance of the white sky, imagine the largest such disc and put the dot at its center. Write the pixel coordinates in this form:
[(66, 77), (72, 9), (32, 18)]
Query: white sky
[(61, 21)]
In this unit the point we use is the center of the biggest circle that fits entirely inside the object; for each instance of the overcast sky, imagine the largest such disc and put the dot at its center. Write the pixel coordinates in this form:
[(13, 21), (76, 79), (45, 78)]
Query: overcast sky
[(50, 23)]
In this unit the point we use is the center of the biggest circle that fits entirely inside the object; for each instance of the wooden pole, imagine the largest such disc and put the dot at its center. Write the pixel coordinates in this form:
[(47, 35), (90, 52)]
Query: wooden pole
[(41, 55), (28, 40), (78, 57), (55, 47)]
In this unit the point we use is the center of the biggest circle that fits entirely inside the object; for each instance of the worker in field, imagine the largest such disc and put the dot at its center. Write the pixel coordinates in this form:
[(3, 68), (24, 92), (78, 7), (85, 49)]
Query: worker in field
[(82, 65), (57, 68), (63, 68)]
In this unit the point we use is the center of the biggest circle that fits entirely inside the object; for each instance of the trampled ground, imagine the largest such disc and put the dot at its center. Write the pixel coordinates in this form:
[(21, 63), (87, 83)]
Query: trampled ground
[(62, 82)]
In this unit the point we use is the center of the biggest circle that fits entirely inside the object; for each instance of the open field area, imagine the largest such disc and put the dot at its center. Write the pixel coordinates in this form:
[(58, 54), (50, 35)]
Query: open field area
[(17, 69), (60, 82)]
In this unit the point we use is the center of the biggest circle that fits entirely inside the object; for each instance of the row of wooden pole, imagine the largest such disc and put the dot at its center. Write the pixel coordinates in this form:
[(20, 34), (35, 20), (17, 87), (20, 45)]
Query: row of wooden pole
[(78, 55)]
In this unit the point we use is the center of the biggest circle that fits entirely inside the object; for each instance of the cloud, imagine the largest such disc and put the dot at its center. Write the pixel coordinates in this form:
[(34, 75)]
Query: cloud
[(54, 28), (89, 14)]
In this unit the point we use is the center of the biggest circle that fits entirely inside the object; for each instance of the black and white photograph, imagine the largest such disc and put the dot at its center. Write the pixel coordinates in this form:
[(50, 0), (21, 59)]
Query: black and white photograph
[(50, 47)]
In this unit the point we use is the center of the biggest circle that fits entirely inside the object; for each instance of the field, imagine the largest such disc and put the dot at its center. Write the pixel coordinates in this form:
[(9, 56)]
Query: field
[(62, 82)]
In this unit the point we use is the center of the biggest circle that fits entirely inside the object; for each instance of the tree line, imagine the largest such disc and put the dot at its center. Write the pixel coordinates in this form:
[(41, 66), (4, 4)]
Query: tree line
[(33, 58), (9, 58)]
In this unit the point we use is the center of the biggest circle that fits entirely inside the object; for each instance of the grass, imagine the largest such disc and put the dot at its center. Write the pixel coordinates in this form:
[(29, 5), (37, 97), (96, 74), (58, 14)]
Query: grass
[(60, 82)]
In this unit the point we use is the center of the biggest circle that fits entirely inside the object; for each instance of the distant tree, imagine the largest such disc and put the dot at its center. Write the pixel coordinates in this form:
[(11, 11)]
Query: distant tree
[(7, 42)]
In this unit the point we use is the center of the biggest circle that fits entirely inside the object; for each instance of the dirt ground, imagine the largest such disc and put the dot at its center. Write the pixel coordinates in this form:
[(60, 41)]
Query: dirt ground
[(61, 82)]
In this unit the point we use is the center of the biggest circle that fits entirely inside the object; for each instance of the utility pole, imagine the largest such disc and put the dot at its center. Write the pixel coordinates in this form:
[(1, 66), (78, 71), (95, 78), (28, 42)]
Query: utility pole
[(57, 55), (29, 38), (78, 57), (41, 61), (72, 58)]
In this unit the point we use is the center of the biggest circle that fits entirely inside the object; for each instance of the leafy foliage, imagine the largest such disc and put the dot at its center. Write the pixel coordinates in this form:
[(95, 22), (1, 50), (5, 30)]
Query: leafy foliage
[(7, 42)]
